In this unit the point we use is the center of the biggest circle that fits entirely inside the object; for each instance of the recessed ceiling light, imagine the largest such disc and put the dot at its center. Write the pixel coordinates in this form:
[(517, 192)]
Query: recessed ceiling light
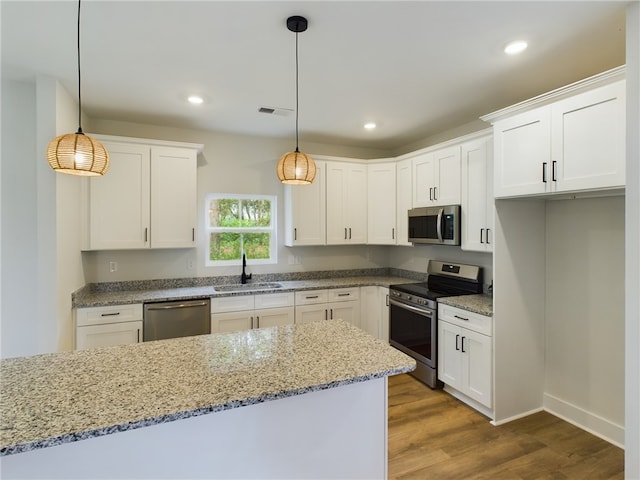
[(370, 125), (195, 99), (515, 47)]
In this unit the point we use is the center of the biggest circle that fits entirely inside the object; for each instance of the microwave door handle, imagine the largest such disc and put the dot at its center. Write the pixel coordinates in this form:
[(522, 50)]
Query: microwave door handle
[(439, 224)]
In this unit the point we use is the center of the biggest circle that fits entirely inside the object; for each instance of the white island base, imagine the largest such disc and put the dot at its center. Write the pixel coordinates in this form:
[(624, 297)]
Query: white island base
[(334, 433)]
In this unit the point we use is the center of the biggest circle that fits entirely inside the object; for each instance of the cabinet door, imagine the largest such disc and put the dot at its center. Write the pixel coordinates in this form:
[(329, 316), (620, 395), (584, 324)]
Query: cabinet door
[(347, 311), (119, 214), (272, 317), (108, 335), (381, 204), (231, 321), (449, 357), (337, 228), (522, 149), (588, 139), (356, 203), (477, 217), (424, 180), (173, 197), (477, 354), (403, 201), (374, 312), (447, 171), (311, 313), (305, 211)]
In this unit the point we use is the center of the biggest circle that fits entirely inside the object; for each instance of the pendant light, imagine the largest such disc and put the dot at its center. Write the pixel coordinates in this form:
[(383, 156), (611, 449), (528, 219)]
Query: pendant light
[(296, 168), (77, 153)]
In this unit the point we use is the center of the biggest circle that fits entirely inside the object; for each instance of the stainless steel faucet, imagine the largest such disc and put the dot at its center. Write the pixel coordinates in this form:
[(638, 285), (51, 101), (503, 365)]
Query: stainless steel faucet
[(244, 277)]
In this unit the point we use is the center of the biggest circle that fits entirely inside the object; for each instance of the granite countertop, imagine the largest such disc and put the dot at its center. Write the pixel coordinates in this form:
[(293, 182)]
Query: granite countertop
[(481, 303), (121, 297), (59, 398)]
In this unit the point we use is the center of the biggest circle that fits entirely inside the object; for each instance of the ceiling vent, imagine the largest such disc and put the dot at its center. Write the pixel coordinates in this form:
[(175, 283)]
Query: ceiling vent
[(284, 112)]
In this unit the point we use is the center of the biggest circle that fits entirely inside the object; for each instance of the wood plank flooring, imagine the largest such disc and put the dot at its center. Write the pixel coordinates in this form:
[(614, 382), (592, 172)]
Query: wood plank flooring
[(434, 436)]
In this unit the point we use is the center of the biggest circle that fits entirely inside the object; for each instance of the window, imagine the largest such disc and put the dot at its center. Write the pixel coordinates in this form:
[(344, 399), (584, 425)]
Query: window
[(241, 223)]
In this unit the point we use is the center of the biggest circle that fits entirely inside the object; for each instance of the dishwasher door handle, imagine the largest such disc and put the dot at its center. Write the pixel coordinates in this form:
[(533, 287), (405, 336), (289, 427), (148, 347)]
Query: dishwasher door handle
[(177, 305)]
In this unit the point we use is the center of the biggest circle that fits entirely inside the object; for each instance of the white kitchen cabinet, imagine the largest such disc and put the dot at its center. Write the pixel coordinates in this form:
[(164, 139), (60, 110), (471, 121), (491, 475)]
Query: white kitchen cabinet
[(108, 326), (374, 311), (588, 140), (317, 305), (436, 177), (305, 211), (477, 195), (244, 312), (346, 203), (465, 353), (381, 204), (404, 201), (147, 198), (574, 144)]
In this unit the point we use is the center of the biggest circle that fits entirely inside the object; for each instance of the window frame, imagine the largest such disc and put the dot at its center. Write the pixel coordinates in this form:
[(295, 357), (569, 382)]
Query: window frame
[(272, 230)]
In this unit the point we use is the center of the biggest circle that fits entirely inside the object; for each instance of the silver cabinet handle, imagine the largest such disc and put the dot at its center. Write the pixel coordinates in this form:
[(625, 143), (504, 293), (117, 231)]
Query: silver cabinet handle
[(345, 233), (146, 234), (393, 233), (431, 193), (488, 230), (349, 233), (387, 300), (461, 318), (114, 314), (193, 234), (481, 232), (435, 193)]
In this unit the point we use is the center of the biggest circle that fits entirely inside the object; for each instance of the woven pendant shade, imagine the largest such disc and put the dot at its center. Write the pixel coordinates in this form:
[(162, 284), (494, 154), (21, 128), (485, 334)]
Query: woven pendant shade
[(296, 168), (77, 154)]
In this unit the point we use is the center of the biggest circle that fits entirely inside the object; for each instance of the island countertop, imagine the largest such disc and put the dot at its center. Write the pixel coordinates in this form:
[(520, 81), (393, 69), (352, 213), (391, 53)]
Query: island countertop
[(59, 398)]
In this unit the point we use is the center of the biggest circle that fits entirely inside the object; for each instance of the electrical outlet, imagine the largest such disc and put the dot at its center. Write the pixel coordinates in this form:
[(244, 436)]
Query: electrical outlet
[(113, 267), (190, 264)]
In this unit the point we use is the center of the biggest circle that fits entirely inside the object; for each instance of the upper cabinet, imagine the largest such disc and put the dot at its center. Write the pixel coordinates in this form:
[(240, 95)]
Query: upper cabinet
[(381, 204), (436, 178), (147, 198), (477, 195), (404, 200), (346, 203), (570, 140), (305, 211)]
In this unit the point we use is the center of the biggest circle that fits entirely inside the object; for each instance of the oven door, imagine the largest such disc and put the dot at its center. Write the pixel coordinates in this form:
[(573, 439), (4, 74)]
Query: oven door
[(413, 331)]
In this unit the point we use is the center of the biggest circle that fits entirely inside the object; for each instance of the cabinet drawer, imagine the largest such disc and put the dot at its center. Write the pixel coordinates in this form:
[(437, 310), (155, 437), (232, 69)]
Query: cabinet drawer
[(109, 335), (236, 303), (344, 294), (274, 300), (310, 297), (110, 314), (465, 319)]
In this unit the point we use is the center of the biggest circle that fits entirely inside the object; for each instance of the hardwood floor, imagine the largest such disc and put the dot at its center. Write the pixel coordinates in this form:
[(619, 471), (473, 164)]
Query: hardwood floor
[(434, 436)]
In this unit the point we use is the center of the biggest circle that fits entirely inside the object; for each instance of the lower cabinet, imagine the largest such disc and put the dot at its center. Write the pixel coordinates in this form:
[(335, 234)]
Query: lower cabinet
[(465, 353), (244, 312), (317, 305), (374, 317), (108, 326)]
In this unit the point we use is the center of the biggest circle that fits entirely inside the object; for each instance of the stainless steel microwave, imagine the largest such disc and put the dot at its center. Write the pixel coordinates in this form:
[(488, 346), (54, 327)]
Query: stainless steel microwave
[(439, 225)]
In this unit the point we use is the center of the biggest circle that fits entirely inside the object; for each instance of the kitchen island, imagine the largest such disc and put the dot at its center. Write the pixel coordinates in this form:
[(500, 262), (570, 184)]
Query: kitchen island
[(312, 397)]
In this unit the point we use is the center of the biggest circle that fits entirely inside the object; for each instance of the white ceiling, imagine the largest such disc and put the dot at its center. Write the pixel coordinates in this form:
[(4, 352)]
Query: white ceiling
[(416, 68)]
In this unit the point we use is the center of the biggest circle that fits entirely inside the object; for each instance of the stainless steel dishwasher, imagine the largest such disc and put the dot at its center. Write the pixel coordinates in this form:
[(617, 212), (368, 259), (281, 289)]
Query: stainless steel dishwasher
[(176, 319)]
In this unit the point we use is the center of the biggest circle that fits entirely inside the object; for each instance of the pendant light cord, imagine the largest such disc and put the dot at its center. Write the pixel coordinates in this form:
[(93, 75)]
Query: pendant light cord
[(79, 82), (297, 92)]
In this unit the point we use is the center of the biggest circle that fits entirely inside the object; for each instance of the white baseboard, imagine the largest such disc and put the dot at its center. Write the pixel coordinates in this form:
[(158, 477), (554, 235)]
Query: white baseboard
[(516, 417), (590, 422)]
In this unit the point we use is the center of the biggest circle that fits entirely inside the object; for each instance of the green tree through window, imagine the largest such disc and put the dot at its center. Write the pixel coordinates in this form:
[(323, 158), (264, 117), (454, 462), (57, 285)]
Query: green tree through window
[(239, 223)]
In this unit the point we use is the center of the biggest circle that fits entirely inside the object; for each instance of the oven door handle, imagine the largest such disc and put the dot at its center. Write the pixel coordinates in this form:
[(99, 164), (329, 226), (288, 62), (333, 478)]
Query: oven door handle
[(439, 224), (424, 313)]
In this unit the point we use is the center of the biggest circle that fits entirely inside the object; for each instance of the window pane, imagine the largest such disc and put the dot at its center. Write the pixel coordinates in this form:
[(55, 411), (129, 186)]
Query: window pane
[(225, 246), (257, 245), (256, 213), (224, 212)]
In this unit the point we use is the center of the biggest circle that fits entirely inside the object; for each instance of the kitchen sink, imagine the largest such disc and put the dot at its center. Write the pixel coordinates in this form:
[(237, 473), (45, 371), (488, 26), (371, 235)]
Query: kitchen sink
[(243, 287)]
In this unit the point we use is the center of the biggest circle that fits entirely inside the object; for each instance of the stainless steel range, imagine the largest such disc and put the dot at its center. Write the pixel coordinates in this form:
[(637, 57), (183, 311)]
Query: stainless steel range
[(413, 312)]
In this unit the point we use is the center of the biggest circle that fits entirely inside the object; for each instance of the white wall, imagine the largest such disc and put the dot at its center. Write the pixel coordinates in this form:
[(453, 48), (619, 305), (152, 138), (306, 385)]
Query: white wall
[(69, 273), (632, 249), (584, 313), (19, 214), (229, 164)]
